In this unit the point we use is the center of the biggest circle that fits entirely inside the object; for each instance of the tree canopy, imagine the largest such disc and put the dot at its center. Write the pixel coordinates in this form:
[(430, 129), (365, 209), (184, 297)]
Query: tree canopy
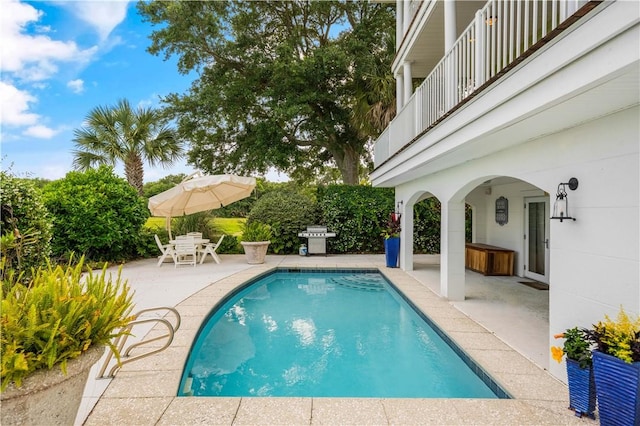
[(280, 83)]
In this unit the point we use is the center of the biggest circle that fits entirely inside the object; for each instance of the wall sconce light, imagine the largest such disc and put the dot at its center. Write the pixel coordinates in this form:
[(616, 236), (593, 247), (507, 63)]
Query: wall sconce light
[(491, 20), (395, 216), (561, 206)]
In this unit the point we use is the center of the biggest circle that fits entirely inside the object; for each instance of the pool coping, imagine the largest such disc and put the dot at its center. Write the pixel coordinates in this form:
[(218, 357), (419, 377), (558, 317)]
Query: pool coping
[(144, 392)]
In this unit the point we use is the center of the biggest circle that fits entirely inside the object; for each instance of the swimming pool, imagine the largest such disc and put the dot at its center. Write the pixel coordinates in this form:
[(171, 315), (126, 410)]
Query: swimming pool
[(344, 333)]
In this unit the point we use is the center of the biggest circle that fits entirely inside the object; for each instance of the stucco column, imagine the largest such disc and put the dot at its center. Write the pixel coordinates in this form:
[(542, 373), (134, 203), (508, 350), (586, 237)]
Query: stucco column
[(399, 22), (399, 92), (450, 30), (408, 86), (406, 238), (452, 251)]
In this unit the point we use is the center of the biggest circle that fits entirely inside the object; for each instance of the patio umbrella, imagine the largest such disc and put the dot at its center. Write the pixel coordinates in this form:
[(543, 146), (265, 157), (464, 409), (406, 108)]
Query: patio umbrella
[(198, 193)]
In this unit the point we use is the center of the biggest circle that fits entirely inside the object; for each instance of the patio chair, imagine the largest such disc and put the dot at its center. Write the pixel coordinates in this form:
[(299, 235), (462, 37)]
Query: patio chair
[(210, 248), (186, 252), (194, 234), (165, 249)]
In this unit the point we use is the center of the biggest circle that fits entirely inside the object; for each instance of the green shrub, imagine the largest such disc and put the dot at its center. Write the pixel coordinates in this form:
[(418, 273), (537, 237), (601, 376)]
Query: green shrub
[(56, 317), (358, 215), (95, 213), (426, 226), (25, 222), (230, 245), (196, 222), (288, 213)]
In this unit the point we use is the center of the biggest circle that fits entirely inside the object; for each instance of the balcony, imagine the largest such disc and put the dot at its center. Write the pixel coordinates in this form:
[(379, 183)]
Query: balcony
[(501, 35)]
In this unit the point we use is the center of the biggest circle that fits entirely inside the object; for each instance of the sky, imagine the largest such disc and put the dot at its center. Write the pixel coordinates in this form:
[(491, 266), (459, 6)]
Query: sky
[(61, 59)]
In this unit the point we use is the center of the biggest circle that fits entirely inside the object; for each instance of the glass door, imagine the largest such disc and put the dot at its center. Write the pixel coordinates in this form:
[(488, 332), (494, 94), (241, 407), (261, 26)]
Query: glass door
[(536, 239)]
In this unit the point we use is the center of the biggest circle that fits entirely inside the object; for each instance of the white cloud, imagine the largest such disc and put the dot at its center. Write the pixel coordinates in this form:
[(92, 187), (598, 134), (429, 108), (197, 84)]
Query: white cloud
[(33, 57), (104, 16), (40, 131), (76, 86), (14, 106)]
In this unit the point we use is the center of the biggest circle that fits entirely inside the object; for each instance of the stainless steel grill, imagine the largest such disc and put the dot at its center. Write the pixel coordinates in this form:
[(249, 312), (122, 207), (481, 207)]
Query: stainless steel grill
[(317, 239)]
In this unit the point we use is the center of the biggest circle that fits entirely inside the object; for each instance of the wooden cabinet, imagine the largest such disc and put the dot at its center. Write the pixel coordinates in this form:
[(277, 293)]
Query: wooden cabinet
[(488, 260)]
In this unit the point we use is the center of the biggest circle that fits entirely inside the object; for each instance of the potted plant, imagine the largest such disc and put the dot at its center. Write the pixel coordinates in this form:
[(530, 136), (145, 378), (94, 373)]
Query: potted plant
[(582, 389), (256, 237), (55, 325), (616, 368), (391, 236)]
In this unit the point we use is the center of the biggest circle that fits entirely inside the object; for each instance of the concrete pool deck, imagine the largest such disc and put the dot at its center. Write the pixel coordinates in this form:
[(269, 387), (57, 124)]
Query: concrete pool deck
[(144, 392)]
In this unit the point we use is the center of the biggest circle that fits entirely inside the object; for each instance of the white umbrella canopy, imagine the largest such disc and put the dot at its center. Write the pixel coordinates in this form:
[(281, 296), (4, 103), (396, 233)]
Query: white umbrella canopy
[(198, 193)]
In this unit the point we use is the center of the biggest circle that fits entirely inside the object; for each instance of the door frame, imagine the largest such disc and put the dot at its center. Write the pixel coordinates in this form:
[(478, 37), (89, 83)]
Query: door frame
[(528, 274)]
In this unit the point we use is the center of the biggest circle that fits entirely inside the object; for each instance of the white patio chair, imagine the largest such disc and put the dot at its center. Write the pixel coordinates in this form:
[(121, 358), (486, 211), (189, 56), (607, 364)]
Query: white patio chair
[(210, 248), (186, 252), (165, 249), (194, 234)]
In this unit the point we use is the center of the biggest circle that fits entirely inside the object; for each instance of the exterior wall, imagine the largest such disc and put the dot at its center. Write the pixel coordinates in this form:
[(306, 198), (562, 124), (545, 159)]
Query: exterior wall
[(594, 261)]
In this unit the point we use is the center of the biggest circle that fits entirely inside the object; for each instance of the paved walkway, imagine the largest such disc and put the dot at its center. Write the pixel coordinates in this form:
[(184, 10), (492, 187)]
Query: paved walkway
[(143, 393)]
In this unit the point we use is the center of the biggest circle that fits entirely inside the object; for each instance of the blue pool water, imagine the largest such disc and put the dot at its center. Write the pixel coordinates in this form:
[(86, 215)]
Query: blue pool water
[(324, 334)]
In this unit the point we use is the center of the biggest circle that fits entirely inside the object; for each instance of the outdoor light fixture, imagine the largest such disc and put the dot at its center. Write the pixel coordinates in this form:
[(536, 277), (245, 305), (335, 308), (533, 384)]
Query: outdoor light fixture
[(561, 206), (395, 216)]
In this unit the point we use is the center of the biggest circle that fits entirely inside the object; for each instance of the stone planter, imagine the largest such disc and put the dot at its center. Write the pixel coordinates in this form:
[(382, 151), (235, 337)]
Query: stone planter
[(49, 397), (255, 251)]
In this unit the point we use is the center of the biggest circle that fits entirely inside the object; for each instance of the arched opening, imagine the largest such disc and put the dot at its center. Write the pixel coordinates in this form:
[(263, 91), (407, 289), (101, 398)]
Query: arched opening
[(502, 212)]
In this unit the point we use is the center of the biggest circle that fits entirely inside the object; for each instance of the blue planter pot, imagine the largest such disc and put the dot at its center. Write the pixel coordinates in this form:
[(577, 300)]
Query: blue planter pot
[(617, 390), (582, 389), (391, 251)]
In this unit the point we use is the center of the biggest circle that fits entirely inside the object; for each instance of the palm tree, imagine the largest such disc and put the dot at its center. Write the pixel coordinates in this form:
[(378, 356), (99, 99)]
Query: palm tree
[(120, 133)]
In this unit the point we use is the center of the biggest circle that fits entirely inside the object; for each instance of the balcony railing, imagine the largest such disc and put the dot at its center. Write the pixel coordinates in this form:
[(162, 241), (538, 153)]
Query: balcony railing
[(501, 32)]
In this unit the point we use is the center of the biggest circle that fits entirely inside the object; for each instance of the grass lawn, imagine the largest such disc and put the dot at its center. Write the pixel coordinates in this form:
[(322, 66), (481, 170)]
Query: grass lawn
[(226, 225)]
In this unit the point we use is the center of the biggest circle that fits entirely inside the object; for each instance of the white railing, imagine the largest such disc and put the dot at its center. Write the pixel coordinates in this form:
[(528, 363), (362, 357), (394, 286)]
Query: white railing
[(500, 33)]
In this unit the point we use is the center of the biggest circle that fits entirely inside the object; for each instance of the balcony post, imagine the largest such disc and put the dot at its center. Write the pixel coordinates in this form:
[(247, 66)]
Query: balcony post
[(406, 15), (479, 50), (399, 92), (399, 23), (450, 30), (408, 86)]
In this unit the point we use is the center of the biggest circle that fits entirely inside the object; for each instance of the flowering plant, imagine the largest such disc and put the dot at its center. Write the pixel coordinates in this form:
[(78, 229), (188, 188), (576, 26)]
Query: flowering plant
[(620, 338), (393, 226), (577, 346)]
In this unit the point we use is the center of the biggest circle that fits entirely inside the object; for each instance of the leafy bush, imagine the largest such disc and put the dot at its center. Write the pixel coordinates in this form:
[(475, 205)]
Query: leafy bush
[(95, 213), (26, 224), (196, 222), (426, 226), (230, 245), (358, 215), (56, 317), (287, 213)]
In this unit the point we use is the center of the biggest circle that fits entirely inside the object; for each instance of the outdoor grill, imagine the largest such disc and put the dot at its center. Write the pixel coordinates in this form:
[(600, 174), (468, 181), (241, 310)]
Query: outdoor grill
[(317, 236)]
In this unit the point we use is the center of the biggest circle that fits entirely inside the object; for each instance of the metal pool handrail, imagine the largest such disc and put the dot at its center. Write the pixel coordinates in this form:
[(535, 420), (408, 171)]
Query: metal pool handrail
[(120, 342)]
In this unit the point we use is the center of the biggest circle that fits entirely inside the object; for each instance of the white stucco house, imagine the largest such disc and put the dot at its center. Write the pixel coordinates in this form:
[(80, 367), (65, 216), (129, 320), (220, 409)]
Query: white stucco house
[(505, 101)]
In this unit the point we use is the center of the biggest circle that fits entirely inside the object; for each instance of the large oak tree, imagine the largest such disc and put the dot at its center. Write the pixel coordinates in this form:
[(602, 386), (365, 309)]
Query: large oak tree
[(283, 84)]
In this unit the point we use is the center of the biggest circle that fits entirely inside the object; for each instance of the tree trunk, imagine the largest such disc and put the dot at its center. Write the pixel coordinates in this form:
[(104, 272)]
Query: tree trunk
[(134, 171), (348, 162)]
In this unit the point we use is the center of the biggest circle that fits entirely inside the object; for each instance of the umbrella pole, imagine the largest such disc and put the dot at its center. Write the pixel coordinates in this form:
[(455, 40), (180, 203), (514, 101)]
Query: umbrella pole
[(168, 225)]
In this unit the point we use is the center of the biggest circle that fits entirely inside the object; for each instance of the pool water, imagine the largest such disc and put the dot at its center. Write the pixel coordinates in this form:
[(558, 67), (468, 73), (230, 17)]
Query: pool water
[(324, 334)]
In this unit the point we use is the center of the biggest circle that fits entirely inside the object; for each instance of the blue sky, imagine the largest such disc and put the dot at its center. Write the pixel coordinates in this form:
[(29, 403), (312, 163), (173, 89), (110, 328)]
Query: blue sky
[(60, 59)]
